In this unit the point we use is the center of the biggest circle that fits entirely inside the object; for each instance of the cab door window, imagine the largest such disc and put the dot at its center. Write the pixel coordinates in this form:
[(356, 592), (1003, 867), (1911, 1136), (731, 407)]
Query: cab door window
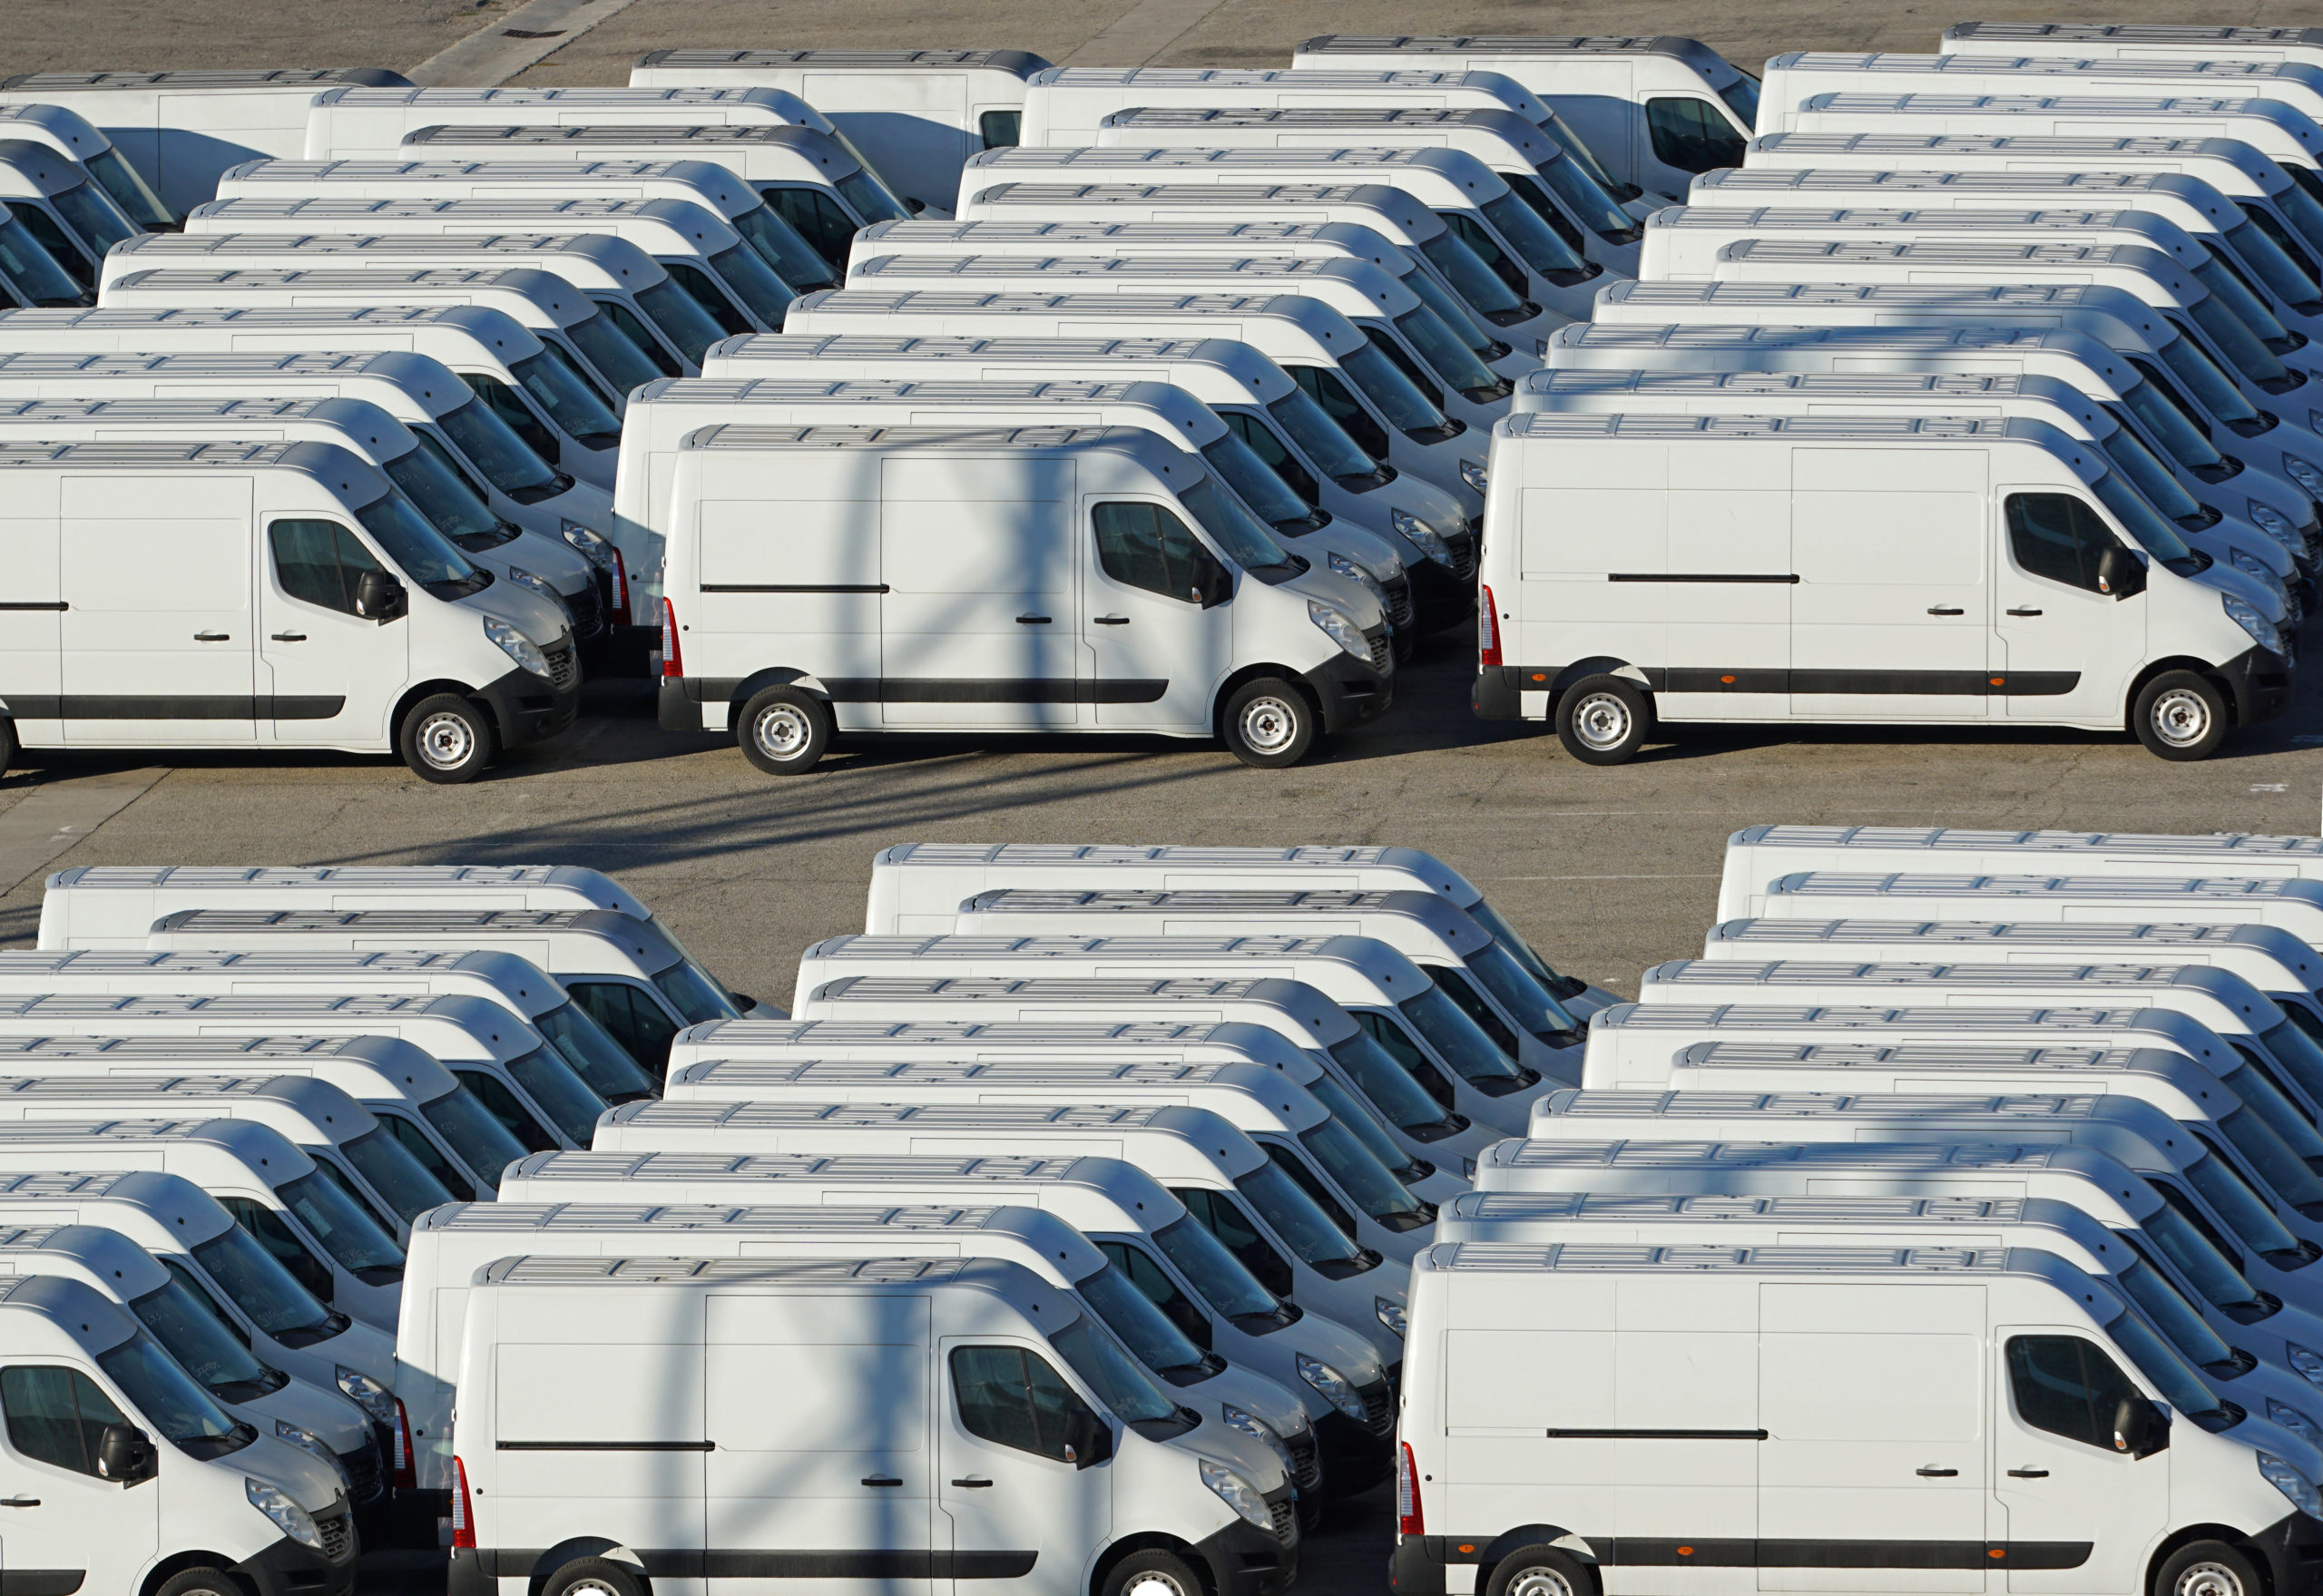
[(56, 1416), (2068, 1387), (319, 562), (1146, 546), (1691, 134), (817, 218), (1154, 1283), (2058, 537), (268, 1229), (1270, 449), (635, 1020), (1014, 1398), (1000, 129), (1224, 1218)]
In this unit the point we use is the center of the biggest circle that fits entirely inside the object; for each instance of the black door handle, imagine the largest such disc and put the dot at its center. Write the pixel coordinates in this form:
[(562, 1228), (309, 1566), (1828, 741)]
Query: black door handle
[(2024, 611), (213, 637), (20, 1502), (972, 1484), (882, 1480), (2028, 1473), (1032, 619), (1945, 609), (289, 637), (1936, 1473), (1112, 620)]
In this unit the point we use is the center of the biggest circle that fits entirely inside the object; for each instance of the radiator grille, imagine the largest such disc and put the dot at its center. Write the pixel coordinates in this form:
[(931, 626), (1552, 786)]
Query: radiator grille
[(563, 667)]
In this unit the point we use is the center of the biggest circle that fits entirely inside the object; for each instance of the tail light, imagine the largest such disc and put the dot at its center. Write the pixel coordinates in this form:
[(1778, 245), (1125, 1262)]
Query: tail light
[(403, 1474), (671, 664), (1409, 1520), (464, 1516), (620, 590), (1487, 631)]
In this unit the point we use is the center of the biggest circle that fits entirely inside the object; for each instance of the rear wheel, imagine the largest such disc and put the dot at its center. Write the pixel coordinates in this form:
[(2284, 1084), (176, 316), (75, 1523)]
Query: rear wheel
[(447, 738), (1541, 1570), (2180, 716), (1604, 720), (1268, 723), (7, 745), (784, 730), (594, 1576)]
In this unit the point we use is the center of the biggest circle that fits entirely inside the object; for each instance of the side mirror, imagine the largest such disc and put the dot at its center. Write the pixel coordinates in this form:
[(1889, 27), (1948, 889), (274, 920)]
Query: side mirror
[(1213, 584), (916, 206), (2140, 1427), (125, 1455), (1088, 1439), (2120, 573), (379, 597)]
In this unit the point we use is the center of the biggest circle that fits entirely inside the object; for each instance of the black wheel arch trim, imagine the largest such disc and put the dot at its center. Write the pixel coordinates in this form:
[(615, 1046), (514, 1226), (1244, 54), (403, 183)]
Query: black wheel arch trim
[(555, 1557)]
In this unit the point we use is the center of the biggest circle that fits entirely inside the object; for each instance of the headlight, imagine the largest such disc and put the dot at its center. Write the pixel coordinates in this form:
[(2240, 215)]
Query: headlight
[(2277, 525), (2242, 613), (375, 1400), (2249, 564), (516, 645), (1391, 1314), (593, 549), (1252, 1425), (2296, 1422), (1334, 1387), (1424, 537), (1339, 629), (2308, 1362), (532, 583), (2293, 1484), (1472, 472), (1343, 566), (297, 1523), (2304, 474), (308, 1440), (1238, 1493)]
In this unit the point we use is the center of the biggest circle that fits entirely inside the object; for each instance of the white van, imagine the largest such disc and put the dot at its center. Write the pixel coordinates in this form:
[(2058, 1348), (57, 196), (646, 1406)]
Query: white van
[(2274, 540), (1257, 399), (714, 188), (1241, 1194), (1350, 1073), (1792, 80), (54, 198), (181, 129), (460, 1241), (187, 561), (919, 114), (68, 132), (963, 1365), (2277, 130), (2290, 906), (1758, 855), (1142, 1230), (783, 663), (1500, 998), (1793, 638), (2055, 1365), (667, 415)]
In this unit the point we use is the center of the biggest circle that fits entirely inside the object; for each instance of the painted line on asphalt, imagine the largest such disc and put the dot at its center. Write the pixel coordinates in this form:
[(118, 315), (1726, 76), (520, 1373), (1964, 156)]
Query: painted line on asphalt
[(1142, 33), (57, 815), (521, 38)]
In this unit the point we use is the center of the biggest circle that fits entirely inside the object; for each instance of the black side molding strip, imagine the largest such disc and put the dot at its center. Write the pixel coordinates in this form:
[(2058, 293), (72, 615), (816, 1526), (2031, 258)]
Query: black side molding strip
[(603, 1446), (1790, 580), (859, 587), (34, 604), (1657, 1435)]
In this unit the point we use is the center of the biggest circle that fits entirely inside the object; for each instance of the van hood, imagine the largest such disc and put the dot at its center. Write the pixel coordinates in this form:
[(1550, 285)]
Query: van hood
[(544, 622), (1342, 594)]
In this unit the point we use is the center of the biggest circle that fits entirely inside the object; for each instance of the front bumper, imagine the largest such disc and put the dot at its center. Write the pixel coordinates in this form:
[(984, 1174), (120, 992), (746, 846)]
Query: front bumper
[(289, 1569), (528, 708), (1350, 690), (1356, 1456), (2293, 1550), (1247, 1561), (2259, 681), (1441, 597)]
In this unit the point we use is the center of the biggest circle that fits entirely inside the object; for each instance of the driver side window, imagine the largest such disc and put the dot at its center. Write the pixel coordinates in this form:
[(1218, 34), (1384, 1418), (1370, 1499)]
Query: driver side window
[(1146, 546), (1691, 136), (2068, 1388), (1012, 1398), (319, 562), (2057, 536), (56, 1416)]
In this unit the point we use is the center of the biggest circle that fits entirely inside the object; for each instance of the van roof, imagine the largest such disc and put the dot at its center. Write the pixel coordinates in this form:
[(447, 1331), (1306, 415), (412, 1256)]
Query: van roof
[(239, 317), (1298, 308), (725, 1271), (1934, 1056), (1124, 438), (771, 1166), (165, 410), (1891, 61), (2228, 38), (1962, 298), (116, 961), (83, 878), (365, 98), (975, 231), (22, 1051), (2006, 1112), (1972, 181), (1165, 856), (857, 946), (492, 1217), (1107, 1068), (1614, 1258), (1049, 989), (1353, 116), (253, 364), (2225, 846), (1937, 385), (1685, 334), (594, 245), (1803, 1209), (1023, 62), (1771, 1016), (93, 1005), (1780, 219), (797, 390), (1378, 195), (1895, 1157), (1780, 972), (2089, 144), (1506, 44), (804, 138), (486, 924), (517, 207), (2099, 105), (1165, 77), (326, 463), (1953, 429), (944, 1033), (1430, 157), (230, 78), (2166, 938), (1230, 353), (2193, 888)]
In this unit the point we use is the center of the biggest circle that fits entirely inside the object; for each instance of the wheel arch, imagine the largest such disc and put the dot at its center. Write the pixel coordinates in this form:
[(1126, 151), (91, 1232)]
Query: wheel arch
[(1523, 1535), (1248, 673), (2178, 1538), (429, 690), (1149, 1541), (1595, 665), (178, 1562), (581, 1546), (2202, 668)]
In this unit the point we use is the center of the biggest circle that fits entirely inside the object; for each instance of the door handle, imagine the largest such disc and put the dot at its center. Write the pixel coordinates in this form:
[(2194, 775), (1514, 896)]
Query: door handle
[(20, 1502), (1032, 619), (2028, 1473), (1112, 620), (1945, 609), (881, 1479), (289, 637), (972, 1482), (2024, 611), (213, 637), (1936, 1473)]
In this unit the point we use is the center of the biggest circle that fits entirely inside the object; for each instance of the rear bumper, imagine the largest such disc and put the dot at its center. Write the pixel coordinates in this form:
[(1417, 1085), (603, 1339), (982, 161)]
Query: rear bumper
[(1495, 696), (2259, 681), (1350, 690), (529, 709)]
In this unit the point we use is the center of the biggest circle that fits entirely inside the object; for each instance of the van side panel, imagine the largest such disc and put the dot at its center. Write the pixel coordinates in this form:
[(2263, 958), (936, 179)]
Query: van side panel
[(32, 628)]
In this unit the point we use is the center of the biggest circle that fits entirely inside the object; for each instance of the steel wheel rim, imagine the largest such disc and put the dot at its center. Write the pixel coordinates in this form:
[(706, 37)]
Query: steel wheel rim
[(782, 731), (1601, 721), (2209, 1578), (2182, 717), (1269, 724), (591, 1585), (445, 741), (1550, 1581), (1153, 1582)]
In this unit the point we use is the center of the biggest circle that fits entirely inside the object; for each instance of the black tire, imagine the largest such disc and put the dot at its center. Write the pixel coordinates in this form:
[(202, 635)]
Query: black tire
[(783, 731), (447, 739), (1604, 720), (1544, 1571), (2180, 716), (1268, 723), (594, 1576), (8, 745), (202, 1582), (1153, 1572), (2207, 1568)]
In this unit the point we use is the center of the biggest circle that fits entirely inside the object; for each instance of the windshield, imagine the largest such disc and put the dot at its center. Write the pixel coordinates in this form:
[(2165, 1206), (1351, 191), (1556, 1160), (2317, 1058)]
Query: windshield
[(92, 214), (616, 356), (477, 1140), (1296, 1218), (2247, 1214), (139, 203), (2173, 1314), (1587, 204), (38, 280), (421, 552), (1361, 1123), (2213, 389), (2262, 1092), (600, 1061), (2182, 1233), (1229, 1288), (182, 1322), (2237, 341), (1232, 528), (1453, 315), (502, 1104), (255, 1281), (697, 998), (1355, 1171), (1521, 996), (871, 201), (1276, 455), (2180, 1385), (753, 281), (2297, 1053), (1389, 1087), (2145, 525), (638, 331), (1144, 1328), (1741, 97), (444, 500), (2302, 202), (683, 322), (169, 1401), (53, 239), (2269, 248), (1397, 396), (2184, 433), (549, 1082), (1536, 242), (2151, 477), (1127, 1392), (1578, 151), (1321, 439), (580, 412), (2285, 1172), (1459, 1041), (2226, 282), (1447, 354), (351, 1236), (1472, 280), (780, 245), (1517, 948), (507, 461), (1258, 485), (389, 1169)]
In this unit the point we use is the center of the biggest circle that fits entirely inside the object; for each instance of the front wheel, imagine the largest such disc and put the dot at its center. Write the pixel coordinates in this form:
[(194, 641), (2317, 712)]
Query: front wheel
[(1604, 720), (1153, 1573), (204, 1580), (2180, 716), (1268, 723), (447, 738), (784, 730), (2207, 1568)]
